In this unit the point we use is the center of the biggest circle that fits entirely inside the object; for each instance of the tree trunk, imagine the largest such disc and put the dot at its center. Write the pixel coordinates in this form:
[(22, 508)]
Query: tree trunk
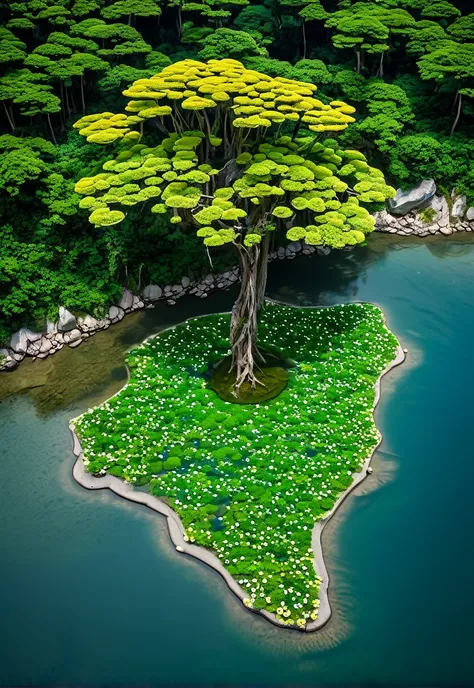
[(10, 120), (263, 270), (51, 128), (358, 61), (303, 27), (179, 24), (458, 114), (82, 95), (380, 69), (244, 318)]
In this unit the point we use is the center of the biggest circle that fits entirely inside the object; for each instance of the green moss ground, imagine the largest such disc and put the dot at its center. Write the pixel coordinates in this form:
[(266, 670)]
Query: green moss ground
[(249, 481), (271, 374)]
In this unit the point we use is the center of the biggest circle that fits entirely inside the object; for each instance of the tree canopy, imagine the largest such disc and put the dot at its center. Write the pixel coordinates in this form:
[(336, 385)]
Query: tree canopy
[(219, 110)]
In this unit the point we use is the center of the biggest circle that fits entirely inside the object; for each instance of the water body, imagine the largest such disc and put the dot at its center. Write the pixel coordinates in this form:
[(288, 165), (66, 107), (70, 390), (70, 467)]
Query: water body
[(92, 593)]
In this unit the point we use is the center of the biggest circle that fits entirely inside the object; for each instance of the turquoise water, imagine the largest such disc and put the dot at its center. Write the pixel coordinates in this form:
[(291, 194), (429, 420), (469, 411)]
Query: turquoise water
[(92, 593)]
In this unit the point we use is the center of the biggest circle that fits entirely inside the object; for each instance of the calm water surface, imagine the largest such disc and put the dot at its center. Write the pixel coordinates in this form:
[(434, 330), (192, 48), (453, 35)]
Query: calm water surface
[(92, 593)]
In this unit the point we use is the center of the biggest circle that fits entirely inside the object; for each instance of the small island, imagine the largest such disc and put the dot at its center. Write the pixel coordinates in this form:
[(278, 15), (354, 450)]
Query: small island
[(247, 487)]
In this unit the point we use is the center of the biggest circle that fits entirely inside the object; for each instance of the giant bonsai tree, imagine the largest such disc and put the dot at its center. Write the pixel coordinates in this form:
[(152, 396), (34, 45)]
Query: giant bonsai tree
[(239, 157)]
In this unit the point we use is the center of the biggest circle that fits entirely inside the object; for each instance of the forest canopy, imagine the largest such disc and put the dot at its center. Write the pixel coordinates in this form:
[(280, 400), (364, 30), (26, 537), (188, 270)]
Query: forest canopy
[(406, 67)]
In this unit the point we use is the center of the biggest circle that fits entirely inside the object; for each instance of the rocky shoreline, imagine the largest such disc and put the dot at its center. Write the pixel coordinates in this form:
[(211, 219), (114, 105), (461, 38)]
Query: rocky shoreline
[(71, 331), (422, 212)]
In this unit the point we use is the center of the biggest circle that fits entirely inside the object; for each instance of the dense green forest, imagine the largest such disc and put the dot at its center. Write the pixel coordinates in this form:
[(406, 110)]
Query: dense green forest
[(407, 66)]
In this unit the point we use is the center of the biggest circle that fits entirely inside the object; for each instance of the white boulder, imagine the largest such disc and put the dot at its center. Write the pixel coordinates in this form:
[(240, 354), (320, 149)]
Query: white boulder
[(19, 341), (126, 302), (67, 320), (116, 313), (459, 207), (405, 201)]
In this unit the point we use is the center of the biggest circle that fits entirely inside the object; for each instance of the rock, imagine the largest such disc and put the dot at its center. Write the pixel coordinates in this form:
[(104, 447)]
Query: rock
[(443, 222), (33, 336), (25, 341), (19, 341), (470, 214), (126, 302), (204, 296), (8, 363), (66, 321), (116, 313), (185, 282), (51, 327), (295, 246), (74, 335), (59, 338), (209, 279), (323, 250), (440, 205), (137, 303), (446, 230), (91, 323), (33, 348), (459, 207), (8, 359), (171, 302), (75, 343), (46, 346), (152, 292), (281, 252), (18, 357), (405, 201)]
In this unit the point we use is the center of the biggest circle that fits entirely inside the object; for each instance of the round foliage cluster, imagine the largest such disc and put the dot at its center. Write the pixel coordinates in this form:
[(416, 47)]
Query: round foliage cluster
[(249, 482)]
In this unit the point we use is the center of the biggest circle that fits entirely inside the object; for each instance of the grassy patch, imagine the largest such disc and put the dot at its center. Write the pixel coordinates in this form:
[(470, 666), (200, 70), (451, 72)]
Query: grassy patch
[(249, 481)]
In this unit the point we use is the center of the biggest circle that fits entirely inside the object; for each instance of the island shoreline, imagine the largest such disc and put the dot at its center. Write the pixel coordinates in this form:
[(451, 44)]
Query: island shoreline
[(175, 526)]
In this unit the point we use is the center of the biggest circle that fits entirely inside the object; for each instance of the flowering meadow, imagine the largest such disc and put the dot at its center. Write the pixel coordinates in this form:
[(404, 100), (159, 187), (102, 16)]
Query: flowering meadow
[(249, 481)]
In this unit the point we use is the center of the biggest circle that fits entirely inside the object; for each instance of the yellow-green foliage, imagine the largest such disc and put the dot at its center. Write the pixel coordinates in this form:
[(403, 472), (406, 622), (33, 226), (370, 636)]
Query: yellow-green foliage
[(287, 181)]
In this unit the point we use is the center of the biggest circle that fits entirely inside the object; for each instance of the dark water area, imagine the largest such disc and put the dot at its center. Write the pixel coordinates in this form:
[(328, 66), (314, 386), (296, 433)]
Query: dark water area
[(92, 593)]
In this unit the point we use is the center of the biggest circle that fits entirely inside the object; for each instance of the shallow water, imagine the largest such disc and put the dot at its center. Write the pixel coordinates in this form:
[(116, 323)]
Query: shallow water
[(92, 592)]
